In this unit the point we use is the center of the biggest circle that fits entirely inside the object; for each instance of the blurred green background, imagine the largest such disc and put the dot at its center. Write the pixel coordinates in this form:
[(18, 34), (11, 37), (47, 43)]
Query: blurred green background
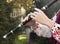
[(11, 15)]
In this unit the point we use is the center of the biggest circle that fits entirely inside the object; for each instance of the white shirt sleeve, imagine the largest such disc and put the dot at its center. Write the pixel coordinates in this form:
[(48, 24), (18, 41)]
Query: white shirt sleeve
[(43, 31)]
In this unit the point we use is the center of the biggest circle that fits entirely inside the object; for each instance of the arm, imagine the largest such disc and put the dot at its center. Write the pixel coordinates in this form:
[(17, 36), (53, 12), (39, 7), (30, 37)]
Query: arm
[(40, 17)]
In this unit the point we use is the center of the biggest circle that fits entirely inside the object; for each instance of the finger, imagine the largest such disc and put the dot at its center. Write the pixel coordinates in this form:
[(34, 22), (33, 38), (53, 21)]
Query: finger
[(38, 10), (33, 18), (32, 14), (29, 14), (36, 13), (27, 17)]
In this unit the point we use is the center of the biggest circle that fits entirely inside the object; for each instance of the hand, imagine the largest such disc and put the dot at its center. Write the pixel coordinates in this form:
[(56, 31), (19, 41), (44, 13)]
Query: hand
[(40, 16), (31, 22)]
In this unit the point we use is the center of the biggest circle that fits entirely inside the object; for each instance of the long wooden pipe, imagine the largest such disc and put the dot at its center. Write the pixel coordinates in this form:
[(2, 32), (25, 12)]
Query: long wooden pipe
[(23, 23)]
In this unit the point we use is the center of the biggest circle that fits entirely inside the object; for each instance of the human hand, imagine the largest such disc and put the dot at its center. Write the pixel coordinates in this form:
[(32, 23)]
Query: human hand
[(31, 22), (40, 16)]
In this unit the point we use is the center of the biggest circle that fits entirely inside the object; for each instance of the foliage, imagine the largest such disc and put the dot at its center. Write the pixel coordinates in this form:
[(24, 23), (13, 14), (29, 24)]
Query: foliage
[(6, 22)]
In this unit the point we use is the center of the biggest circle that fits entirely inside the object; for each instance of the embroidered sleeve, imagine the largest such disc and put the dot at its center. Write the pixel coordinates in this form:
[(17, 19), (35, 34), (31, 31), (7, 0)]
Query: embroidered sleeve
[(56, 31)]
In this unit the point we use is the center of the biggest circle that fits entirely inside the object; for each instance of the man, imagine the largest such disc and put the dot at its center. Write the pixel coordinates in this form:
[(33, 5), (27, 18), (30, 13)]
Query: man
[(39, 17)]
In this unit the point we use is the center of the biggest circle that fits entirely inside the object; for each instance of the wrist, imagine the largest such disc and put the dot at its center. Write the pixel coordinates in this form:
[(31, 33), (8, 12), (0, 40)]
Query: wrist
[(50, 23)]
